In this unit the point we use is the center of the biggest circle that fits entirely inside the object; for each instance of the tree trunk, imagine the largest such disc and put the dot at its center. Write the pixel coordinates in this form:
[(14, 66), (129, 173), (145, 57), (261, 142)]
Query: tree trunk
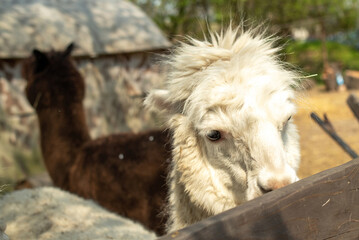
[(328, 71)]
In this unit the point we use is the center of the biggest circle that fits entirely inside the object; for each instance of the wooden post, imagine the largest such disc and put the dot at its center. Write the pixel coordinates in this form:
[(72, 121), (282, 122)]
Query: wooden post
[(353, 103), (328, 128), (322, 206)]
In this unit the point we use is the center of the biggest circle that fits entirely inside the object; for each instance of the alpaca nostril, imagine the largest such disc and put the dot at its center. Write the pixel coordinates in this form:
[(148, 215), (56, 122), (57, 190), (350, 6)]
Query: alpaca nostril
[(264, 190), (272, 184)]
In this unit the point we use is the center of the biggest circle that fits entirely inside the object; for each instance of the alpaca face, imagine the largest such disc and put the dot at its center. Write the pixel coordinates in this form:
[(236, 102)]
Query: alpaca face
[(243, 123), (246, 132), (244, 129), (52, 79)]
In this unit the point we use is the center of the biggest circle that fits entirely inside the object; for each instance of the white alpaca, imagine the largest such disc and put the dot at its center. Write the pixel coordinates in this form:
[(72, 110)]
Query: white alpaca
[(51, 214), (229, 103)]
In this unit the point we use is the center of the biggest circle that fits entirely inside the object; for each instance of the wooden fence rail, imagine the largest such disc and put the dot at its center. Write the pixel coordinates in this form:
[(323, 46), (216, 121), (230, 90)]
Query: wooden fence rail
[(323, 206)]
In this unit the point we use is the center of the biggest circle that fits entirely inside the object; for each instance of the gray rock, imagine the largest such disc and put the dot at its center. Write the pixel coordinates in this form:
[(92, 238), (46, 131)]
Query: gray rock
[(98, 27)]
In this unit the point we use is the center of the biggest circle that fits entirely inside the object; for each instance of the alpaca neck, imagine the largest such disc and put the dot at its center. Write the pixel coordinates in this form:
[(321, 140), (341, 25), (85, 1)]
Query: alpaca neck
[(63, 131), (182, 210), (195, 193)]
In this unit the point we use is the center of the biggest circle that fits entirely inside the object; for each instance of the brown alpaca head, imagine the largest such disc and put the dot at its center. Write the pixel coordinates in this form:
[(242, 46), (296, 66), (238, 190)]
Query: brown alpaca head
[(52, 79)]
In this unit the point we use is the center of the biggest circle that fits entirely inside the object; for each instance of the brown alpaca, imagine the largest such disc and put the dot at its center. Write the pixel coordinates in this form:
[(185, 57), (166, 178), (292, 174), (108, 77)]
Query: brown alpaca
[(125, 173)]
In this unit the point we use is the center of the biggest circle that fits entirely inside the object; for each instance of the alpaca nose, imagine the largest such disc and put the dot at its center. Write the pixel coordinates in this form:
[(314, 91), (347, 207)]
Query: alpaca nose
[(270, 179), (272, 184)]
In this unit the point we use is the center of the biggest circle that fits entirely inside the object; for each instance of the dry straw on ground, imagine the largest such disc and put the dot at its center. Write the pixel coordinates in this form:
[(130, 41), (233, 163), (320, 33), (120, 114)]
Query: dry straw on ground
[(319, 151)]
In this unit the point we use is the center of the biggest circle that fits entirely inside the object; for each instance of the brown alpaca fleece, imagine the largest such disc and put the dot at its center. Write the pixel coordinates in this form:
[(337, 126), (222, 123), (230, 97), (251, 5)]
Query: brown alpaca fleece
[(125, 173)]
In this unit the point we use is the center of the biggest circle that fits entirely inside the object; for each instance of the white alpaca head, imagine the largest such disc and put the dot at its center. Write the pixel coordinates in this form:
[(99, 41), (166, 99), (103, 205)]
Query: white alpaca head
[(234, 98)]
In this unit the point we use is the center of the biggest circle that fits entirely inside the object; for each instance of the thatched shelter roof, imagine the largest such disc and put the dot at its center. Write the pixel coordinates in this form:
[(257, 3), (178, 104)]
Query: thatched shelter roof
[(98, 27)]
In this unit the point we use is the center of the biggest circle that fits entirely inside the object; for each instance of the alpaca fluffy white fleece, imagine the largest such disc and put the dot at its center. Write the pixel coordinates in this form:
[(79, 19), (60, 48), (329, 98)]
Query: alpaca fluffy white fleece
[(51, 214), (234, 84)]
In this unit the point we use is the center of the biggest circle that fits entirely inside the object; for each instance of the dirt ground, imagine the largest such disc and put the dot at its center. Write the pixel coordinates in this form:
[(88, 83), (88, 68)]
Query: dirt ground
[(319, 151)]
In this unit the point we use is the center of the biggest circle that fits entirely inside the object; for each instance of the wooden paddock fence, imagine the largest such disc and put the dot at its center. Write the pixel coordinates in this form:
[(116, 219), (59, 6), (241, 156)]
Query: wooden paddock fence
[(324, 206)]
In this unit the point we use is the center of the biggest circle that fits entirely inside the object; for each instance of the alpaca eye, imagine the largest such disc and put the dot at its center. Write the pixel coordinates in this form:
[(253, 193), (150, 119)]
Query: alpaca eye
[(284, 124), (214, 135)]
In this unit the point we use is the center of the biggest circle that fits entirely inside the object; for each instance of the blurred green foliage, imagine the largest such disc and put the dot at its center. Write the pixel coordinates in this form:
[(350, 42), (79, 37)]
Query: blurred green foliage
[(307, 56), (321, 17)]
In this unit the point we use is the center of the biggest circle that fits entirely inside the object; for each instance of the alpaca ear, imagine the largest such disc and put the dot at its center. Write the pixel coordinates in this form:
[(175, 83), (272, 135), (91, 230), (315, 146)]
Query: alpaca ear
[(158, 101), (41, 60), (69, 49)]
